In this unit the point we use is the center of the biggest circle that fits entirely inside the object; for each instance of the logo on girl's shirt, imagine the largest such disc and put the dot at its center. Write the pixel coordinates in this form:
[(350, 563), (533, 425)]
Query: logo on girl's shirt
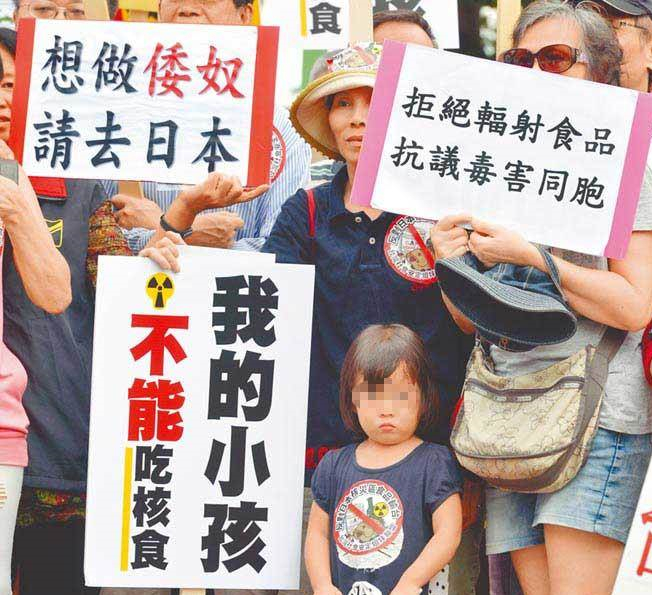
[(368, 525)]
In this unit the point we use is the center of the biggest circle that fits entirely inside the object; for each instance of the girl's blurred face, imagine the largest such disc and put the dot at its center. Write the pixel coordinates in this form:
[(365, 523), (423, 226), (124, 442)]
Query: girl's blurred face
[(388, 413), (6, 92), (348, 121)]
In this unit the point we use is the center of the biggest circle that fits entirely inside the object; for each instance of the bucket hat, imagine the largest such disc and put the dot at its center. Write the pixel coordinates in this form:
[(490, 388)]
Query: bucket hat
[(352, 67), (515, 307)]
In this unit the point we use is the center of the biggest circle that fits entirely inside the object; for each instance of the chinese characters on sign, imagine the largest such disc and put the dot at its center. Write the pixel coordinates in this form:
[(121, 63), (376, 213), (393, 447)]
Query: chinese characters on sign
[(195, 472), (114, 99), (537, 153)]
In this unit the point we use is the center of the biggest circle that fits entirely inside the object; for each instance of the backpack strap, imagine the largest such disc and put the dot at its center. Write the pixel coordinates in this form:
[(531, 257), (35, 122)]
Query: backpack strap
[(310, 196), (610, 343), (312, 210)]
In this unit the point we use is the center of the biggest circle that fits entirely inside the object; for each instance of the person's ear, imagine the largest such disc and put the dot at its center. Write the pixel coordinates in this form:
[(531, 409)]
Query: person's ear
[(246, 14)]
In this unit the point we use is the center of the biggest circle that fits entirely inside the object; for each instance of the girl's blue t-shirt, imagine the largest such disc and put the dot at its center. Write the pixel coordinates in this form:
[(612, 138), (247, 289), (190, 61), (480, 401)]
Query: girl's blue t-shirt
[(381, 519)]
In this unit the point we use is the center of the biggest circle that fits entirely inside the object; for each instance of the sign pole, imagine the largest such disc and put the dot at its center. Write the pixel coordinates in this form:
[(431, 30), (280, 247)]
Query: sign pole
[(508, 13)]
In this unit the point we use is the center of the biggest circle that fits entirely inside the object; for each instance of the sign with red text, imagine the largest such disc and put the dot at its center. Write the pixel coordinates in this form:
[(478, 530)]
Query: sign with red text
[(558, 159), (635, 573), (144, 101), (198, 422)]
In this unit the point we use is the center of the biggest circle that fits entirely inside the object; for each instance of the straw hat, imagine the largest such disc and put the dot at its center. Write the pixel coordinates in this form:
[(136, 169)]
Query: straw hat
[(353, 67)]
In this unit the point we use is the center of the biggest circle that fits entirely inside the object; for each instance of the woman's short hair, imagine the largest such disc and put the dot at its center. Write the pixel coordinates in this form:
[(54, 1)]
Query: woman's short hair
[(599, 41), (403, 15), (375, 355)]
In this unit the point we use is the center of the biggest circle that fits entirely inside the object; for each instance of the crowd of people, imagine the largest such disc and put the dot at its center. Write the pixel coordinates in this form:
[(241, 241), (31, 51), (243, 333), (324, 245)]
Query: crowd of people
[(389, 355)]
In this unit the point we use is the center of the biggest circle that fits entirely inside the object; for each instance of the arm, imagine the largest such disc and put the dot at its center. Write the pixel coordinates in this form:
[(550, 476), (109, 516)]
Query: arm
[(215, 192), (42, 269), (620, 297), (317, 554), (294, 176), (439, 551)]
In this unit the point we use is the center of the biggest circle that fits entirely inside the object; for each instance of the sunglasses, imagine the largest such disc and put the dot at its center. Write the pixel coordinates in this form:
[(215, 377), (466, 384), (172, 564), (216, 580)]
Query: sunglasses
[(556, 58)]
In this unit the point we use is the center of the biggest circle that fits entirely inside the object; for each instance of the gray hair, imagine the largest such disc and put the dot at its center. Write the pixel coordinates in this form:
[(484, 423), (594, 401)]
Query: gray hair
[(599, 41)]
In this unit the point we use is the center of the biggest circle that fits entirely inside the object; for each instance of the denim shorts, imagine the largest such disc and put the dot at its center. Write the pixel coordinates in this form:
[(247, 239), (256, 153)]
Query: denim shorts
[(601, 499)]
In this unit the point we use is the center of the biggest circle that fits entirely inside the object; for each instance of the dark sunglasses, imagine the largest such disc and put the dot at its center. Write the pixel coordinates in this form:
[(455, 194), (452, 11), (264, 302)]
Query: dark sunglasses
[(556, 58)]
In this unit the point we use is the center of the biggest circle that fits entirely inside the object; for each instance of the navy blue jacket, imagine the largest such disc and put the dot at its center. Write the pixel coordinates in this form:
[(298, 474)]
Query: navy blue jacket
[(56, 350), (354, 287)]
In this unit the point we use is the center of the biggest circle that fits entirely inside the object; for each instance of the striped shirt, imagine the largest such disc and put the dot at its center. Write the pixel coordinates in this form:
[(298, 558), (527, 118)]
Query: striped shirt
[(259, 214)]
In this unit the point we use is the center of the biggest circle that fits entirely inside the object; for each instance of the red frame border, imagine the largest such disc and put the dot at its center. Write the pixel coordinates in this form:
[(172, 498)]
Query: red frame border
[(24, 52), (262, 109)]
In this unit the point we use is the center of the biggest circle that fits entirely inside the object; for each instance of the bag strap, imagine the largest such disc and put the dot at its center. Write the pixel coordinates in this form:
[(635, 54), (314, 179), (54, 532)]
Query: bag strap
[(610, 343), (312, 210), (553, 271), (310, 196)]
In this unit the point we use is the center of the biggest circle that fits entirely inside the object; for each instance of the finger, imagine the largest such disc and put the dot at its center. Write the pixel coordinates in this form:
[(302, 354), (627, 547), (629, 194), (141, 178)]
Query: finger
[(170, 253), (118, 201), (460, 251), (484, 227), (237, 223), (236, 190), (167, 245), (175, 238), (224, 186), (458, 232), (155, 255), (254, 193), (452, 221)]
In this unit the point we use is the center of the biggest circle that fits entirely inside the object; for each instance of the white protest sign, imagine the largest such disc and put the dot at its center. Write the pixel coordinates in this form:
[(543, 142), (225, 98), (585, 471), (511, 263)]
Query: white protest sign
[(635, 572), (144, 101), (558, 159), (310, 25), (442, 16), (198, 423)]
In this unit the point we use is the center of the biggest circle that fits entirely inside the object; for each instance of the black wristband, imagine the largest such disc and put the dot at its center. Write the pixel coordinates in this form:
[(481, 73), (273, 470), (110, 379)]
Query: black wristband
[(167, 227)]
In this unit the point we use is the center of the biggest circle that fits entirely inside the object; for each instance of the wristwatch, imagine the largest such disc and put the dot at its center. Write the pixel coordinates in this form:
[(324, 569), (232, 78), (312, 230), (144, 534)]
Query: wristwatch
[(167, 227)]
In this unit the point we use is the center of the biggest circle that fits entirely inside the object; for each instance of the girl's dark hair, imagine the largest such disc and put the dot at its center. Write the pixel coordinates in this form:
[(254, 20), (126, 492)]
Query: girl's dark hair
[(375, 355)]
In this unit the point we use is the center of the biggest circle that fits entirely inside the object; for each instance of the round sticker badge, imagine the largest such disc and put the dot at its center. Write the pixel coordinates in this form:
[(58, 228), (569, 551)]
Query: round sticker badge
[(409, 251), (368, 526), (278, 155)]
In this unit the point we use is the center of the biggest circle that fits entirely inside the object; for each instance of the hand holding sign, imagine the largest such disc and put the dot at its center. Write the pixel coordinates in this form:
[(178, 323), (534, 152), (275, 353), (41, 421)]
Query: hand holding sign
[(165, 252)]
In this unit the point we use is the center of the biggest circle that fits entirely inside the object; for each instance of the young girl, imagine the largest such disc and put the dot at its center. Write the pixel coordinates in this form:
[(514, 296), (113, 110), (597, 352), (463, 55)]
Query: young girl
[(387, 515)]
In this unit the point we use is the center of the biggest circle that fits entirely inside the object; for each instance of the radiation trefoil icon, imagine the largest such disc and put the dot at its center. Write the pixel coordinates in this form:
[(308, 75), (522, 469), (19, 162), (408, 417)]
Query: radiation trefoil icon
[(160, 289)]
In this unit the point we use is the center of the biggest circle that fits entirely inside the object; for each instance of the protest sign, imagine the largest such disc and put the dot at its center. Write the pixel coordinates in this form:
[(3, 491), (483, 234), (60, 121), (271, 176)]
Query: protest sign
[(134, 101), (558, 159), (198, 422), (442, 16), (310, 25), (635, 572)]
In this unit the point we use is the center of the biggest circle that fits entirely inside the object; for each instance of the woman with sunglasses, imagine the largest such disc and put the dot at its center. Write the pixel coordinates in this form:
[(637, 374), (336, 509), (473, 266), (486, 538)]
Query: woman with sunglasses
[(571, 541)]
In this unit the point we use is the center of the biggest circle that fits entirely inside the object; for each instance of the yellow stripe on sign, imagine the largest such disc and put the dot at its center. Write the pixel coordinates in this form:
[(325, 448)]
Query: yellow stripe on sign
[(304, 18), (255, 17), (126, 509)]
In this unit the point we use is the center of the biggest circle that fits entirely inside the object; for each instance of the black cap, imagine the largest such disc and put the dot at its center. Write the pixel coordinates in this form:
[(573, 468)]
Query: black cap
[(635, 8)]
